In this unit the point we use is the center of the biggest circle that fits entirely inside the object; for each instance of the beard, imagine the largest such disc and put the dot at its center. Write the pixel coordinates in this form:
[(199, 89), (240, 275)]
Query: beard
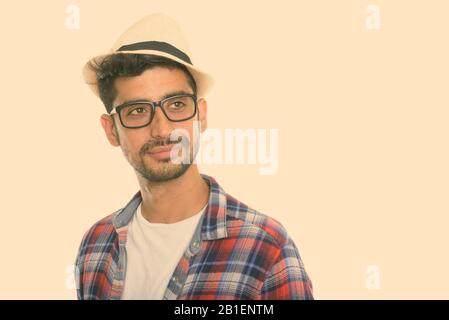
[(159, 170), (164, 170)]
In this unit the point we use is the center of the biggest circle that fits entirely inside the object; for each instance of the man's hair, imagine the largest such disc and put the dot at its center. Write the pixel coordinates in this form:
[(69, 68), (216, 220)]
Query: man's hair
[(128, 65)]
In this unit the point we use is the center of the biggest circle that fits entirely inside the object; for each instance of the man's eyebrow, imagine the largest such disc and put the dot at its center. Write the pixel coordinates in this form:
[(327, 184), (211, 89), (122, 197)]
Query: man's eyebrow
[(167, 95), (175, 93)]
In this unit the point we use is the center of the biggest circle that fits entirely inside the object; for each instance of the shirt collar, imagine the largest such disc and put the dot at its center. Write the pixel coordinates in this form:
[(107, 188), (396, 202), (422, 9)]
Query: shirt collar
[(213, 225)]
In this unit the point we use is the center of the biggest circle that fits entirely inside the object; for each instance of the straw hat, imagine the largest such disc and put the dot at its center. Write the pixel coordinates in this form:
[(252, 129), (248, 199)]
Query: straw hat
[(155, 34)]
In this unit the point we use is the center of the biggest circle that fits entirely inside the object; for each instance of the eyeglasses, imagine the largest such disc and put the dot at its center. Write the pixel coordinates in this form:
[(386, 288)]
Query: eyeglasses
[(140, 113)]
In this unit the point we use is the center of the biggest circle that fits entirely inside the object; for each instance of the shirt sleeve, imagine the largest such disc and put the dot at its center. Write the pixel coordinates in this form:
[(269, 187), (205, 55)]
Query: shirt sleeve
[(79, 264), (287, 279), (78, 273)]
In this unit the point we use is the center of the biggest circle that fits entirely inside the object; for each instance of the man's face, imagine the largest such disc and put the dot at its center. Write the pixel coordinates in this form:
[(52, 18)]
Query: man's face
[(140, 146)]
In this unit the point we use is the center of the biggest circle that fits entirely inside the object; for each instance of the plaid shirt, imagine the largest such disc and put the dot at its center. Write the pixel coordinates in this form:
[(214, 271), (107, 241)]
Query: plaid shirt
[(235, 253)]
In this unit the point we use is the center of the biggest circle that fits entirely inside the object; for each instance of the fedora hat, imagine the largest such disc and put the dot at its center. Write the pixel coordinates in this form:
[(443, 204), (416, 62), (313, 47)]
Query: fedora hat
[(155, 34)]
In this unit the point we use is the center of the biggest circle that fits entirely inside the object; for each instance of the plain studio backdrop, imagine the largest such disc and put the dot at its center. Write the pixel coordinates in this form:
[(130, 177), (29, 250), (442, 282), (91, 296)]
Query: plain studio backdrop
[(358, 91)]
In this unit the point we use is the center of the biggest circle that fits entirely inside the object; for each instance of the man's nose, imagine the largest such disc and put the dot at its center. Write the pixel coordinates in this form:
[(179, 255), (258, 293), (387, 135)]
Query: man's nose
[(160, 126)]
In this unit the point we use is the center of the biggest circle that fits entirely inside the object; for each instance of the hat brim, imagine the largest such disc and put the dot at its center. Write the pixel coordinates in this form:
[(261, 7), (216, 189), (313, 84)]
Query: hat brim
[(204, 81)]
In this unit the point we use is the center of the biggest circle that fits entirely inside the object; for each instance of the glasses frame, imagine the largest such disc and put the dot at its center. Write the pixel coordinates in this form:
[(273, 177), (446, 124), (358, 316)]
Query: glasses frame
[(154, 105)]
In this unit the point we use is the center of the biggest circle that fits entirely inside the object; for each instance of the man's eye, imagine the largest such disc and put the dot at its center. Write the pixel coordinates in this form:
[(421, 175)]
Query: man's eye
[(138, 111), (178, 104)]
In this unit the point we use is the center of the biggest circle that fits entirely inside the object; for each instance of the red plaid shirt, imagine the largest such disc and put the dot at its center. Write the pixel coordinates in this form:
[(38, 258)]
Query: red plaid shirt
[(235, 253)]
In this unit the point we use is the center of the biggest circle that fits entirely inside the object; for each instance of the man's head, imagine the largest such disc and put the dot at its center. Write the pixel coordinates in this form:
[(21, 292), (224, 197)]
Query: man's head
[(123, 78)]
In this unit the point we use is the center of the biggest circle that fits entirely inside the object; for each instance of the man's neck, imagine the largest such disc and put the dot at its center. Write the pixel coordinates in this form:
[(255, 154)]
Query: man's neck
[(174, 200)]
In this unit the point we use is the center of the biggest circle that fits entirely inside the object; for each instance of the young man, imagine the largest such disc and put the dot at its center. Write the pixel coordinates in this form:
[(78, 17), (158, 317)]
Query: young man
[(181, 236)]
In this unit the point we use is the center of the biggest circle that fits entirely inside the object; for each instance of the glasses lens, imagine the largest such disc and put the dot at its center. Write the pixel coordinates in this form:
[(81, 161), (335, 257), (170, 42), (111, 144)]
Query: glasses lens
[(179, 108), (136, 115)]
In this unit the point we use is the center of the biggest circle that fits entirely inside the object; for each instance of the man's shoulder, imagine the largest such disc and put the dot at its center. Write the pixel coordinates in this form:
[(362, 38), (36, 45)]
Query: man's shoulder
[(246, 221), (104, 225), (102, 231)]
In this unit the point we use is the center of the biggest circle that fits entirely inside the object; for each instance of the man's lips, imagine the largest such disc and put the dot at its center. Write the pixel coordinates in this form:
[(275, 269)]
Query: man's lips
[(161, 149), (161, 152)]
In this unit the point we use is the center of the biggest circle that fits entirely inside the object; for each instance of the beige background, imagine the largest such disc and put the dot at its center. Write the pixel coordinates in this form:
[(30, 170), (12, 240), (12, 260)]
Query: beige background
[(362, 117)]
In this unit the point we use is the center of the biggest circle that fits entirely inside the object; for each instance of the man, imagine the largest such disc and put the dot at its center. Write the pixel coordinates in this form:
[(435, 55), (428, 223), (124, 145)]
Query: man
[(181, 236)]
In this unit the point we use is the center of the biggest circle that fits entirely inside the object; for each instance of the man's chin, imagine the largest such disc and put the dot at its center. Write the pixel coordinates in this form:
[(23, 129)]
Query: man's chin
[(167, 172)]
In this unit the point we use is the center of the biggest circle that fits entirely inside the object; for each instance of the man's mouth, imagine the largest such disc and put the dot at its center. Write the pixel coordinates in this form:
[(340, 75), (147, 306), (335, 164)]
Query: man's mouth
[(161, 152)]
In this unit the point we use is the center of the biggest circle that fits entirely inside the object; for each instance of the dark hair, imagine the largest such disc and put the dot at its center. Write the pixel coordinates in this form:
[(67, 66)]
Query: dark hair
[(124, 65)]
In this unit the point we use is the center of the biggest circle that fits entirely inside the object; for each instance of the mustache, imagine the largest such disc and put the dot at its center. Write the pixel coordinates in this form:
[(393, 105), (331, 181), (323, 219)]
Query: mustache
[(158, 143)]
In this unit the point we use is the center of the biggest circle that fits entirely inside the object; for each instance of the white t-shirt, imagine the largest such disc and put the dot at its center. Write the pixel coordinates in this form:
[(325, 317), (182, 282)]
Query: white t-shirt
[(153, 251)]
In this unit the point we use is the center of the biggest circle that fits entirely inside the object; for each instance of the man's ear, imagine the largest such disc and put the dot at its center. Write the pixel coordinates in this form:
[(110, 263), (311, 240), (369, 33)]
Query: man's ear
[(202, 113), (110, 129)]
